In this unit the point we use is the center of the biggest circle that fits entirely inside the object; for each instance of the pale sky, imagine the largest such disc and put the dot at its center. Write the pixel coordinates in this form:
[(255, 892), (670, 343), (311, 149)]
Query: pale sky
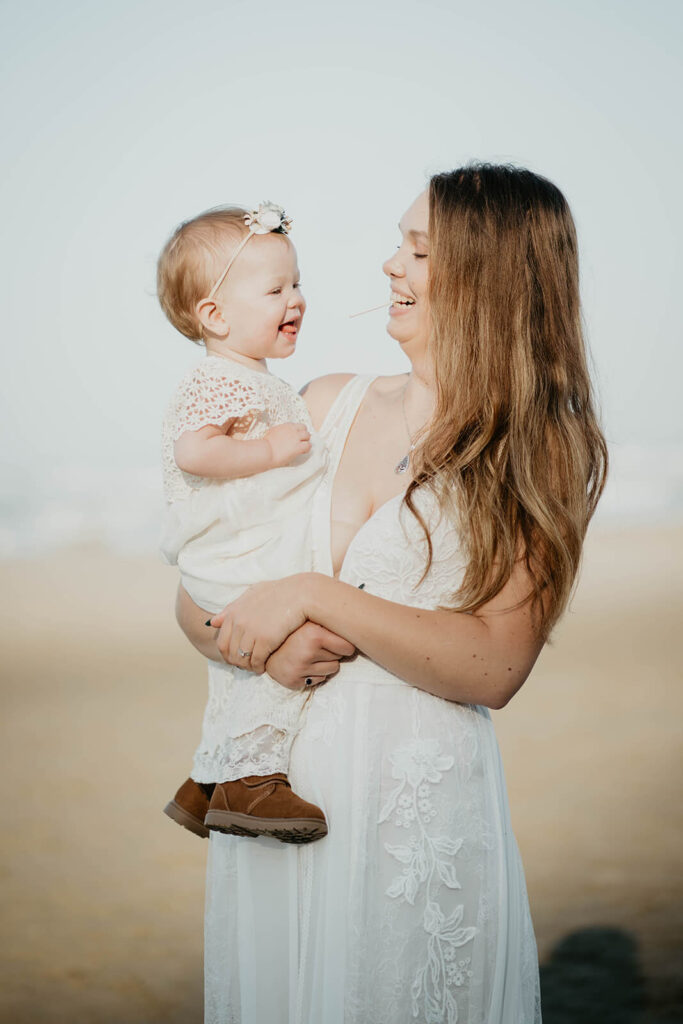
[(122, 118)]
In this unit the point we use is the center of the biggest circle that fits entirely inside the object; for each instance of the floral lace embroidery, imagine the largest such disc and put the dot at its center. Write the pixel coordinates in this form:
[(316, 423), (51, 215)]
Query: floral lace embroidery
[(428, 864), (249, 726), (395, 571), (262, 751)]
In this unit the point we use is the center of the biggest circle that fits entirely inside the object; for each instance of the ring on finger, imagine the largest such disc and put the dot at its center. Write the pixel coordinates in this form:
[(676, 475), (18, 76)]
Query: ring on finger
[(244, 654)]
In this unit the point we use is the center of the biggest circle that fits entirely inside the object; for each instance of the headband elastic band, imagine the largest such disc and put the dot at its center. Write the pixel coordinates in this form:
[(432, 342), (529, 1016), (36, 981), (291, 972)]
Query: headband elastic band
[(268, 218)]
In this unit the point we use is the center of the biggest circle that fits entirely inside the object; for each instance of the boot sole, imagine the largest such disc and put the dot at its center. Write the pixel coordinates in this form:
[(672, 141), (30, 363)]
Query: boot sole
[(187, 820), (287, 830)]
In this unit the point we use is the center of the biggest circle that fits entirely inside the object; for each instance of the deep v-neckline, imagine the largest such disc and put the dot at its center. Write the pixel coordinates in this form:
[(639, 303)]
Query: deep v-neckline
[(361, 529), (333, 470)]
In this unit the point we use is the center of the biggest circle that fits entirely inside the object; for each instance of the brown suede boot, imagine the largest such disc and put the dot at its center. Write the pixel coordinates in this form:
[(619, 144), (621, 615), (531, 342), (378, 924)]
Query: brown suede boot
[(264, 805), (190, 804)]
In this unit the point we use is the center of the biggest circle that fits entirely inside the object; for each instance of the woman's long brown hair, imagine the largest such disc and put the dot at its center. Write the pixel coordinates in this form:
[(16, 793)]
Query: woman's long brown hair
[(514, 448)]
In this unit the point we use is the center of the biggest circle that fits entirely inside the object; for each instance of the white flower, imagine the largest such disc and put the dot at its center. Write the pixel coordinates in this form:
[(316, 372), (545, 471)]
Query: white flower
[(268, 217), (269, 220), (405, 816), (421, 761)]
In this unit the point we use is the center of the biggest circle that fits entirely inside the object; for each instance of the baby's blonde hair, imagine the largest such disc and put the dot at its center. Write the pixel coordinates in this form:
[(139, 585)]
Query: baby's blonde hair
[(190, 262)]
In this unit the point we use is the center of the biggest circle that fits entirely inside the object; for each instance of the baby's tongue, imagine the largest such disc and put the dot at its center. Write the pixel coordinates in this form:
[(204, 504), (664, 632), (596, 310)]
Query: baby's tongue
[(288, 329)]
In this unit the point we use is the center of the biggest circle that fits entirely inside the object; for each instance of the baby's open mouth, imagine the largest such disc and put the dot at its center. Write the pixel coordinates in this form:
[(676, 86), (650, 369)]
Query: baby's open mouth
[(291, 328)]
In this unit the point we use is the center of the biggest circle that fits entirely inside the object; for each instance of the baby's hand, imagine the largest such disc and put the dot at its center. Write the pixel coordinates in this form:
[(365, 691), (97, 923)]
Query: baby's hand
[(287, 441)]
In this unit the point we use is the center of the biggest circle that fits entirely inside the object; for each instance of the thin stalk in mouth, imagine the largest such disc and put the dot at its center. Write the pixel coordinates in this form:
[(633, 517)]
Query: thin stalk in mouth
[(373, 309)]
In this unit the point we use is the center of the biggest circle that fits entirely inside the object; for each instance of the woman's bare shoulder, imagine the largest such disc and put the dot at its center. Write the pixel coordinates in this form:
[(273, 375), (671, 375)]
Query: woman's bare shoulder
[(319, 394)]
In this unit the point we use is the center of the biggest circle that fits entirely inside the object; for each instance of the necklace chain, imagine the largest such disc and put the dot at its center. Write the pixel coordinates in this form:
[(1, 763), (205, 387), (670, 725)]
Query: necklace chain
[(405, 414), (402, 466)]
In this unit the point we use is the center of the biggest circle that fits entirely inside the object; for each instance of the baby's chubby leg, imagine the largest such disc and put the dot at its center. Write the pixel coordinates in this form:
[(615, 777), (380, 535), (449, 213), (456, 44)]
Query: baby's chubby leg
[(239, 782)]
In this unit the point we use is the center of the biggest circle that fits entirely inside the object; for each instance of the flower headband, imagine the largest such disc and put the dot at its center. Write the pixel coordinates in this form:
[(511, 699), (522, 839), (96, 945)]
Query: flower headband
[(268, 217)]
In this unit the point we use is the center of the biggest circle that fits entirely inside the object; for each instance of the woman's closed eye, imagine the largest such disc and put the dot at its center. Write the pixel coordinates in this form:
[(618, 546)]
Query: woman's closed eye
[(416, 255)]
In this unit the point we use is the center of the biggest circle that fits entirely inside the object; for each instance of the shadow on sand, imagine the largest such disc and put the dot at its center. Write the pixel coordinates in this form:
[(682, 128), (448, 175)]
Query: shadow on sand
[(593, 977)]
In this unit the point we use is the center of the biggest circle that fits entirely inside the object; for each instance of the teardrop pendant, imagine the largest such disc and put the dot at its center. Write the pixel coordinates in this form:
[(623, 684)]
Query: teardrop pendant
[(403, 464)]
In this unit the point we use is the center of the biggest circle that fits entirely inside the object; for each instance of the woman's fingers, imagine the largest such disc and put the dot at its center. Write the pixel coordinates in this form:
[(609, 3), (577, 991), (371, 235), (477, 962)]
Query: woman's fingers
[(318, 650), (233, 645), (261, 649), (242, 650), (342, 649), (223, 641), (259, 656), (326, 641), (323, 668), (311, 681)]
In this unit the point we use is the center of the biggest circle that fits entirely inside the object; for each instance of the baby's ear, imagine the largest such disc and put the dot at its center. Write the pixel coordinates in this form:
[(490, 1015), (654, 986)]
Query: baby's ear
[(211, 317)]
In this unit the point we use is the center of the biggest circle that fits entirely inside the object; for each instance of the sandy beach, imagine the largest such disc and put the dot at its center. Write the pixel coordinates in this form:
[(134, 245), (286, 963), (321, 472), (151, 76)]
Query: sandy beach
[(103, 896)]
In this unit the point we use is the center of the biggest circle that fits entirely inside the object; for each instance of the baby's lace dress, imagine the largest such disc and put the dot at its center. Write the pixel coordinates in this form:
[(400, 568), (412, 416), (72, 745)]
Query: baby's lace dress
[(226, 535)]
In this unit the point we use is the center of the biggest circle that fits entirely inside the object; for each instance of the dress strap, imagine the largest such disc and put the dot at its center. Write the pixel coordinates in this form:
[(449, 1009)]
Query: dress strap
[(341, 414)]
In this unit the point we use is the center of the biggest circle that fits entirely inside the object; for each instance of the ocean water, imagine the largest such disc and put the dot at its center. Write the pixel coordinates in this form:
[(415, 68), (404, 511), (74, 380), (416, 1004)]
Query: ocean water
[(117, 508), (121, 509)]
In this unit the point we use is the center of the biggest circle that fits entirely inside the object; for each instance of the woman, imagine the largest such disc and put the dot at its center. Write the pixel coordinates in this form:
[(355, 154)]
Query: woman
[(414, 908)]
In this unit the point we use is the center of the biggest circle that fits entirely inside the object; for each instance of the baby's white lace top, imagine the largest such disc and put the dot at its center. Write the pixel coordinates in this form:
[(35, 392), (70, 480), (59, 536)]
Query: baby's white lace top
[(215, 391)]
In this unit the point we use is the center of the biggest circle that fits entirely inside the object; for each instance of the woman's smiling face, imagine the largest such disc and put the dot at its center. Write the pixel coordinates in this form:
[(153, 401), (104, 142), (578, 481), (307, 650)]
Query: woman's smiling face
[(407, 269)]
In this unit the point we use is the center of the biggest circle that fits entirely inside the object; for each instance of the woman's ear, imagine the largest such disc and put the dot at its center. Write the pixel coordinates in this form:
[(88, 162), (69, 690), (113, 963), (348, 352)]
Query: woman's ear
[(212, 318)]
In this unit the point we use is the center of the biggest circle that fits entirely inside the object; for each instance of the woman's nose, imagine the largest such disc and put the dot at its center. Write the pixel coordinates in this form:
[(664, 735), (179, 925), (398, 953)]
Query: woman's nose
[(393, 266)]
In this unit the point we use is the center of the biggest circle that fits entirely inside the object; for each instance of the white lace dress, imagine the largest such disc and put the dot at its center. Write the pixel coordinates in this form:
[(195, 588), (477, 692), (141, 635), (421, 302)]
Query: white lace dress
[(226, 535), (414, 907)]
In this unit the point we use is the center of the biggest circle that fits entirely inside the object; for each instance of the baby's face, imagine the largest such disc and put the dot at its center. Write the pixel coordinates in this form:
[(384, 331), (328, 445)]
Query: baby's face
[(261, 299)]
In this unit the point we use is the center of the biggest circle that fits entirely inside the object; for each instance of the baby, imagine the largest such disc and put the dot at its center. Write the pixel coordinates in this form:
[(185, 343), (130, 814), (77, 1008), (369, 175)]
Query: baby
[(241, 468)]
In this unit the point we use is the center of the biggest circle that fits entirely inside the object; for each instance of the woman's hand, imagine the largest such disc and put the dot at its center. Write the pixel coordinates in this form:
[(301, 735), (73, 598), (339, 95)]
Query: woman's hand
[(259, 622), (311, 652)]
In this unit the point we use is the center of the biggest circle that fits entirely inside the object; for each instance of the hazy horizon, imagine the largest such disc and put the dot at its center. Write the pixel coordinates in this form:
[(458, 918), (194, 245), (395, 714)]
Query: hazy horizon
[(121, 120)]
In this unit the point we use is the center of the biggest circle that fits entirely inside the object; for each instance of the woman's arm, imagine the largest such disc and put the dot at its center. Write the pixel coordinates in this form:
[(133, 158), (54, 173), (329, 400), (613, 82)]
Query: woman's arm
[(192, 620), (480, 658), (311, 652)]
